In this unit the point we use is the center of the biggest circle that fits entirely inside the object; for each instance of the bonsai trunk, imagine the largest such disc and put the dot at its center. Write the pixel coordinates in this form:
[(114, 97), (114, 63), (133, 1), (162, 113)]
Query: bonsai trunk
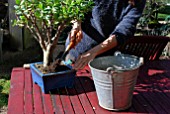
[(46, 58), (49, 65), (47, 55)]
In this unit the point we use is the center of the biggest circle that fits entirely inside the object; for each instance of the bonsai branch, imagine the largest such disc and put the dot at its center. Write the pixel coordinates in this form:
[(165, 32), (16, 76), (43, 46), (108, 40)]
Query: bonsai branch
[(48, 33), (58, 33), (28, 27), (41, 39), (32, 32)]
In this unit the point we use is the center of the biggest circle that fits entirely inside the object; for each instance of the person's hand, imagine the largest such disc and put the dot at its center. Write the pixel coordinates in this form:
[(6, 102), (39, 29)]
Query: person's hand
[(83, 60), (76, 33)]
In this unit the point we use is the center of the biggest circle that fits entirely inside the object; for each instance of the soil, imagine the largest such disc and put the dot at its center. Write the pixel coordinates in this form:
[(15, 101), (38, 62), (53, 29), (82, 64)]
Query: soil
[(52, 68)]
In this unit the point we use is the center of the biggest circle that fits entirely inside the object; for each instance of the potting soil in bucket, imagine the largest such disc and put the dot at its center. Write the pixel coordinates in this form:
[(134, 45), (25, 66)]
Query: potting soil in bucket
[(114, 78)]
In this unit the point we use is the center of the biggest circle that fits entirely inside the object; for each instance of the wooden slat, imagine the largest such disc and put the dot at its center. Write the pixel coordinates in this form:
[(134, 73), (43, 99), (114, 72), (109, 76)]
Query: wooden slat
[(144, 103), (154, 101), (149, 94), (57, 104), (28, 94), (138, 47), (47, 104), (16, 97), (141, 46), (135, 104), (88, 87), (148, 51), (142, 51), (38, 104), (131, 109), (76, 104), (83, 98), (159, 81), (67, 106), (154, 52)]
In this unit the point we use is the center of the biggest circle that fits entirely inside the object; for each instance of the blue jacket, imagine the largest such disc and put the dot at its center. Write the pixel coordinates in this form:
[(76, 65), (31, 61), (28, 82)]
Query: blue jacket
[(110, 17)]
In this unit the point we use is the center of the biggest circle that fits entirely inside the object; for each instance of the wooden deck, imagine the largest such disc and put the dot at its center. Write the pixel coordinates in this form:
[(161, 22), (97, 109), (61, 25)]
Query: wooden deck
[(151, 95)]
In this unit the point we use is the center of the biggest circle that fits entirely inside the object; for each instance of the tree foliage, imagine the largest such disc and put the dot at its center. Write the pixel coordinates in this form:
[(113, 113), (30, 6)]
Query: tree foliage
[(51, 11), (41, 17)]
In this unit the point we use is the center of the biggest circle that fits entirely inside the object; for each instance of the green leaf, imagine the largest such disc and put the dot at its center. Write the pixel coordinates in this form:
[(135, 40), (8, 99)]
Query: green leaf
[(37, 14), (40, 5), (17, 2)]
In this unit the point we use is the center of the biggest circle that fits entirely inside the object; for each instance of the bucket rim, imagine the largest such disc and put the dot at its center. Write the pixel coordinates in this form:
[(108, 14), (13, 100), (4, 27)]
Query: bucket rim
[(96, 68), (141, 62)]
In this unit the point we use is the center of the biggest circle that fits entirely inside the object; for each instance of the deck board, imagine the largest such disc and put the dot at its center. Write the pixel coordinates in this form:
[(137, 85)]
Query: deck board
[(16, 92), (37, 98), (83, 97), (67, 106), (28, 92), (57, 104), (47, 103), (75, 101), (151, 94)]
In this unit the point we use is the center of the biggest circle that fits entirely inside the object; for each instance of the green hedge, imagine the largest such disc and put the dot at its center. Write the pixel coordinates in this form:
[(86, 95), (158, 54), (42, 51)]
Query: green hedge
[(165, 10)]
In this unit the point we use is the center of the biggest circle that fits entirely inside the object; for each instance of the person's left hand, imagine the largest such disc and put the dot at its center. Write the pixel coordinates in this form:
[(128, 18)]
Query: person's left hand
[(83, 60)]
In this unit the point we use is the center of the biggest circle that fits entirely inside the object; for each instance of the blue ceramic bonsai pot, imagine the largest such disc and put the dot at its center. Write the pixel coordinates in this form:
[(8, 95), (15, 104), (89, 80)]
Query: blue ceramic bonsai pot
[(52, 81)]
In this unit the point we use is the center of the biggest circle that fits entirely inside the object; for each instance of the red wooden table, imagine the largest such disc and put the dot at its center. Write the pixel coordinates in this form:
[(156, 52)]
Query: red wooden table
[(151, 95)]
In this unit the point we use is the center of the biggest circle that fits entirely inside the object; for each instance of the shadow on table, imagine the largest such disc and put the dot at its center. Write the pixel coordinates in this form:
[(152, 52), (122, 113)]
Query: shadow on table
[(82, 85)]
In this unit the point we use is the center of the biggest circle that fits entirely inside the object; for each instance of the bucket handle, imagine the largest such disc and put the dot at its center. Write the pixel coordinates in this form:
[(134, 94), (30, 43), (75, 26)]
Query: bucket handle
[(141, 61), (112, 72)]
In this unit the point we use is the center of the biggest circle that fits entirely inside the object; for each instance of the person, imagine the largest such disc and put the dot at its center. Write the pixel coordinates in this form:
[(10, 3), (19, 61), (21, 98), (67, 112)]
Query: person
[(110, 23)]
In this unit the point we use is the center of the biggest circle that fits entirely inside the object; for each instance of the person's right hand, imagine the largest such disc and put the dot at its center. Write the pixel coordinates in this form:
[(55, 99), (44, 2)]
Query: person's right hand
[(76, 33)]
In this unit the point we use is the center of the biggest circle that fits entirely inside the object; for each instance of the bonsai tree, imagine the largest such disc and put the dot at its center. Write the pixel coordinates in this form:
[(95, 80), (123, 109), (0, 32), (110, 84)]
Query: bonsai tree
[(41, 17)]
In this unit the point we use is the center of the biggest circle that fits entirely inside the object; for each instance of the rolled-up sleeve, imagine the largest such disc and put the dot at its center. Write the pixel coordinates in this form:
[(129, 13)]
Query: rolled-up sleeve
[(127, 26)]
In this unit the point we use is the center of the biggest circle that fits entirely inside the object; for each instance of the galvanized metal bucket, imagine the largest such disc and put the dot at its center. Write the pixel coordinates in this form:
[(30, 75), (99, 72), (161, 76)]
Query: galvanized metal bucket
[(114, 78)]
